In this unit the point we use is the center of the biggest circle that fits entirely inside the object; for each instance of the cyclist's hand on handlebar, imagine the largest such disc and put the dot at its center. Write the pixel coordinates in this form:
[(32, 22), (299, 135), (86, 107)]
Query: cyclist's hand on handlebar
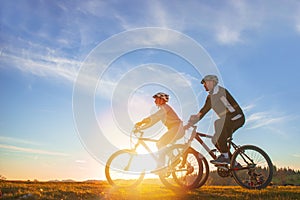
[(185, 127), (138, 124), (193, 119)]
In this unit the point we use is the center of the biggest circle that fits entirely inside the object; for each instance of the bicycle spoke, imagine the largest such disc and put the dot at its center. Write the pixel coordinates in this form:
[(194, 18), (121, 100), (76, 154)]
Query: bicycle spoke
[(251, 167), (185, 167)]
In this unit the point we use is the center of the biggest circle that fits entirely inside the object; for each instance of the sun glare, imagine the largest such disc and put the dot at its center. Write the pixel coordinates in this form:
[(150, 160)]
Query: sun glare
[(147, 161)]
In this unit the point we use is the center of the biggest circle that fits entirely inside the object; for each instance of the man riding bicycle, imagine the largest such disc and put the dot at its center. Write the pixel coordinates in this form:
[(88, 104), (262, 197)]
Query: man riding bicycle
[(169, 118), (231, 116)]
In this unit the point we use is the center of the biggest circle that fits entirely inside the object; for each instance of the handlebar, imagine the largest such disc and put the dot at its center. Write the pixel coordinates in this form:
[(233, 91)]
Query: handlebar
[(137, 130), (199, 134)]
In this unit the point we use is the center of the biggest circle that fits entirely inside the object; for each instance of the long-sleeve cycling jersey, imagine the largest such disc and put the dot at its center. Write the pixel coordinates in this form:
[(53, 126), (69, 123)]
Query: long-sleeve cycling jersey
[(221, 101), (165, 114)]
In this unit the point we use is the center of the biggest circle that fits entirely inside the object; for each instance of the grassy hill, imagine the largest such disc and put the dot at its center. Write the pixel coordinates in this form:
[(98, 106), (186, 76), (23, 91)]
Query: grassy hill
[(149, 189), (281, 177)]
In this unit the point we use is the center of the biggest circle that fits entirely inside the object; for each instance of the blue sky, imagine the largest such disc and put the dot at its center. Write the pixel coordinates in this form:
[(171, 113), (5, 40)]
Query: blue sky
[(254, 45)]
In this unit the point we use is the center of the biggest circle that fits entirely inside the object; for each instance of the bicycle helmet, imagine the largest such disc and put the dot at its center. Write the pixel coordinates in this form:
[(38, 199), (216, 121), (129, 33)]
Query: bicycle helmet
[(162, 96), (210, 78)]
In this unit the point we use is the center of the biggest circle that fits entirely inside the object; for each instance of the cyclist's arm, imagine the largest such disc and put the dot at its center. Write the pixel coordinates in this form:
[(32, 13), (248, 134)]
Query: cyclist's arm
[(205, 108), (197, 117), (152, 119)]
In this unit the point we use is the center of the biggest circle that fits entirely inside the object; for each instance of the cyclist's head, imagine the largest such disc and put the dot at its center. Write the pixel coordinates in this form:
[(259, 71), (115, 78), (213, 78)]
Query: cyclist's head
[(209, 82), (161, 98), (210, 78)]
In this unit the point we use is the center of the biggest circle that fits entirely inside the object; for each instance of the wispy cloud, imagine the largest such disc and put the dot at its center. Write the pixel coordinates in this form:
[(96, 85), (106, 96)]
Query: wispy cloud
[(30, 150), (248, 107), (156, 74), (235, 18), (81, 161), (13, 144), (297, 19), (228, 36), (229, 24), (17, 140), (264, 119), (298, 27), (41, 62)]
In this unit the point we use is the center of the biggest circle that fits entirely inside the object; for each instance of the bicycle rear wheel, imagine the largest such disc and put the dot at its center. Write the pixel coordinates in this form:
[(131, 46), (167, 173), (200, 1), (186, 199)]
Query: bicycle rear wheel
[(122, 170), (251, 167), (185, 167)]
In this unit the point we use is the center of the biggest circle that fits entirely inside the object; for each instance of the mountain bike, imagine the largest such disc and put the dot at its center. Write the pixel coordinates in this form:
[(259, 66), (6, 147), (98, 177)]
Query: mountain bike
[(182, 167), (250, 166)]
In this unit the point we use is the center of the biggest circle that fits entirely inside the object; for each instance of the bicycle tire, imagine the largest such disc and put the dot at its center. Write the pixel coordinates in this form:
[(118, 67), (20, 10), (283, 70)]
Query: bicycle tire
[(117, 163), (251, 167), (205, 170), (181, 178)]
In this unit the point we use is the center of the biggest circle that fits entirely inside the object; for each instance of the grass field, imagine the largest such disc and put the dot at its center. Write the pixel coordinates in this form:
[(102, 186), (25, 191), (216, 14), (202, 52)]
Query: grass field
[(149, 189)]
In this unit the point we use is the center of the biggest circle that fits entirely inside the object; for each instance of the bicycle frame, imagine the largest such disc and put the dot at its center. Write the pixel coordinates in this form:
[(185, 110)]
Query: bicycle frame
[(211, 151), (141, 141)]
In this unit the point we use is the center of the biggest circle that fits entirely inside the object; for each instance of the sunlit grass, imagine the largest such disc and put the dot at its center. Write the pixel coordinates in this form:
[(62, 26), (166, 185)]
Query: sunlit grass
[(149, 189)]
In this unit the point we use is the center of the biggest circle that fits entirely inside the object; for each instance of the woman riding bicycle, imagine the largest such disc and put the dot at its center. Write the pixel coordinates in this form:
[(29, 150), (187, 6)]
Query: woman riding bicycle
[(169, 118)]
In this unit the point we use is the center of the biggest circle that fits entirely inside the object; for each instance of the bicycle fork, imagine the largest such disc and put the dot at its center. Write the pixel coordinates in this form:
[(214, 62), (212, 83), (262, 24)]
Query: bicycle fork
[(129, 163)]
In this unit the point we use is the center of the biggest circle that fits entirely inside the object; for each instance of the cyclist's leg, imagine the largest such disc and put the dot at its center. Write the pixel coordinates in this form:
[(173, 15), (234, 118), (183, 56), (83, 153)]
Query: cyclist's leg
[(236, 124), (220, 135), (170, 137), (224, 128), (223, 131), (161, 145)]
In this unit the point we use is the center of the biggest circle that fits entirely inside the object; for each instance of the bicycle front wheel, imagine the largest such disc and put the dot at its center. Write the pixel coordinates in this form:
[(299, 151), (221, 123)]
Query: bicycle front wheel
[(184, 168), (122, 169), (205, 170), (251, 167)]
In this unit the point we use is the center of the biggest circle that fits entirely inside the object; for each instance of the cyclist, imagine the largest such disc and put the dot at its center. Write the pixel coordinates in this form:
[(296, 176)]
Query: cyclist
[(230, 115), (169, 118)]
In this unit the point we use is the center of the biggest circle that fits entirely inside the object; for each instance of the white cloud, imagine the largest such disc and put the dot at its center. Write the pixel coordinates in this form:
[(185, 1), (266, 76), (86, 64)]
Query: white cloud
[(41, 62), (151, 14), (81, 161), (32, 151), (227, 36), (235, 18), (17, 140), (297, 19), (12, 144), (298, 27), (248, 108), (135, 78), (263, 119)]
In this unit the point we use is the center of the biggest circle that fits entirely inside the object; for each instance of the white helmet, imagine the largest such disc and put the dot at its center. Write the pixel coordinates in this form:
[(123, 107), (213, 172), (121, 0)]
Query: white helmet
[(210, 78), (162, 96)]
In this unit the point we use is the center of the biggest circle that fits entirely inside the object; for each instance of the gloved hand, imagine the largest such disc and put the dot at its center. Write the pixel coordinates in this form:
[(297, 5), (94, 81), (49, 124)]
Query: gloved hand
[(193, 119), (185, 127), (138, 124)]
